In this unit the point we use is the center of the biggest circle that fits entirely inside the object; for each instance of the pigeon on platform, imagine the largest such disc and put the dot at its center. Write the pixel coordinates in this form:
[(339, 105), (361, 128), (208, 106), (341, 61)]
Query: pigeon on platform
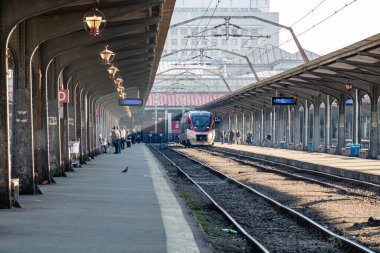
[(125, 170)]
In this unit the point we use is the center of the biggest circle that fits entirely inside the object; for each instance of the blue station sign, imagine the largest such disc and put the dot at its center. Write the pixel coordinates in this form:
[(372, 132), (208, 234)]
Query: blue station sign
[(131, 102), (284, 101)]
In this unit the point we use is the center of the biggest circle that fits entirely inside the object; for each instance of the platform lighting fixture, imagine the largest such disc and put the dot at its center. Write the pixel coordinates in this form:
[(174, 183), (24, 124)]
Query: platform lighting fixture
[(94, 22), (118, 81), (107, 56), (348, 86), (112, 71), (120, 89)]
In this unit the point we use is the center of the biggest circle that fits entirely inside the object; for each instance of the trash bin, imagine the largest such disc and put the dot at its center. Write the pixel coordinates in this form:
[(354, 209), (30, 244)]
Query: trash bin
[(310, 147), (129, 144), (282, 144), (354, 150)]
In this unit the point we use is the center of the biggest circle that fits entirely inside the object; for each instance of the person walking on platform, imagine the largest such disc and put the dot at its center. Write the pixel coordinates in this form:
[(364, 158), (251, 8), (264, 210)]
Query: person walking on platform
[(238, 137), (222, 133), (122, 136), (138, 138), (232, 136), (115, 137), (249, 138)]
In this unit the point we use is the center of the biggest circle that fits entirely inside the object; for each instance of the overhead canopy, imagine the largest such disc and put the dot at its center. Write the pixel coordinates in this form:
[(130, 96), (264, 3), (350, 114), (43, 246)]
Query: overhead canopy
[(356, 66), (135, 30)]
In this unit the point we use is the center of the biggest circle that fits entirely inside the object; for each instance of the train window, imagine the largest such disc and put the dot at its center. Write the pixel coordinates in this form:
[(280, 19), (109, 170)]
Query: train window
[(201, 122)]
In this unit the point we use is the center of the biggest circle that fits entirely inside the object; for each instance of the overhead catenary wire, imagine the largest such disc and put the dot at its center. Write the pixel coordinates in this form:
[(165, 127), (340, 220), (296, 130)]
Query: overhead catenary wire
[(299, 34)]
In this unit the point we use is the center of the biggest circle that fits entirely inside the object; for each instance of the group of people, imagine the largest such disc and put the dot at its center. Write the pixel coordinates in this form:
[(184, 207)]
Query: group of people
[(118, 139), (231, 136), (234, 137), (121, 136)]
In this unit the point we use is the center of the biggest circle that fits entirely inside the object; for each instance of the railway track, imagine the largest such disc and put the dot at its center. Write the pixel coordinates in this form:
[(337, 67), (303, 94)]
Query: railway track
[(267, 224), (345, 185)]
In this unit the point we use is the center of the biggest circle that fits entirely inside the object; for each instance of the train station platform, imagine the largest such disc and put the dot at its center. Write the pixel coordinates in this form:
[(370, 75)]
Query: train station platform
[(351, 167), (99, 209)]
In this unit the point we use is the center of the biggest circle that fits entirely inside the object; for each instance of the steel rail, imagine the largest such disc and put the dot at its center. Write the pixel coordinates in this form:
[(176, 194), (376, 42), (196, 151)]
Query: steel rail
[(302, 218), (279, 171), (256, 244), (374, 187)]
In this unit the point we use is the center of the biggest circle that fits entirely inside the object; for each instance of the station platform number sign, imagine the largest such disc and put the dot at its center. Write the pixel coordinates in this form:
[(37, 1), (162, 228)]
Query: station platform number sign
[(284, 101), (131, 102)]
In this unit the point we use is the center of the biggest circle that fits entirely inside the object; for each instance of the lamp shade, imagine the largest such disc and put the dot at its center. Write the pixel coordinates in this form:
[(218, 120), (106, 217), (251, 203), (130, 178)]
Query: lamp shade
[(107, 56), (112, 70), (93, 21), (118, 81)]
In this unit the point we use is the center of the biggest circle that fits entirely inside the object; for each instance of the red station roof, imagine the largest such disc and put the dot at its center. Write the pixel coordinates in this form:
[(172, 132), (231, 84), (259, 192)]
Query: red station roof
[(182, 98)]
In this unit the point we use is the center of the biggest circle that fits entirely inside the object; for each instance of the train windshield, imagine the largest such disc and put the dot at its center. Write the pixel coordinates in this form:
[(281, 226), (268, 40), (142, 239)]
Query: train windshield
[(201, 122)]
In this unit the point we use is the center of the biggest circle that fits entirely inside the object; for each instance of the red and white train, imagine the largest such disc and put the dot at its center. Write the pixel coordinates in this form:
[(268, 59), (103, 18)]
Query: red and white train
[(197, 128)]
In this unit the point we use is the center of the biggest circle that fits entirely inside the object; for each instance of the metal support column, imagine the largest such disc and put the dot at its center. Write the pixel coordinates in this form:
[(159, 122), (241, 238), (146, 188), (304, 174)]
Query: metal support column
[(374, 134), (317, 127), (328, 122), (306, 125), (341, 131)]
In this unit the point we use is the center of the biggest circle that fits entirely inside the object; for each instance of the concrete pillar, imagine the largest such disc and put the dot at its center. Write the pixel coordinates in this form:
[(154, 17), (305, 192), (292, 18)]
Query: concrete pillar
[(78, 121), (88, 128), (54, 123), (317, 127), (5, 175), (23, 146), (40, 119), (374, 134), (64, 123), (71, 113), (84, 118), (341, 132)]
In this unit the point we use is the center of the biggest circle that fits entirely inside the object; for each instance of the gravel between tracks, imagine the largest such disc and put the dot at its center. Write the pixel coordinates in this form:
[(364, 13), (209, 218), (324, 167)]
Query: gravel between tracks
[(203, 210), (344, 214), (275, 230)]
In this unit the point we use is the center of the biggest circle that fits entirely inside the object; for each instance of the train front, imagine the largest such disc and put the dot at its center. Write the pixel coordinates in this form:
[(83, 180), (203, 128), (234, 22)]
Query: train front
[(202, 130)]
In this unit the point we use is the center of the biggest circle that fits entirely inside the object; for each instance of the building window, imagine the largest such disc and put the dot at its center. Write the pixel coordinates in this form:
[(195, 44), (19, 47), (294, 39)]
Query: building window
[(183, 31), (214, 42), (255, 42), (193, 42), (173, 31), (224, 42), (184, 42), (174, 42), (204, 42), (234, 31), (234, 42)]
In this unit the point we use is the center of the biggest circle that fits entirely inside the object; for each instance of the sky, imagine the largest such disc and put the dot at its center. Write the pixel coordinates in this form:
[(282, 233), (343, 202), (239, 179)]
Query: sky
[(357, 21)]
